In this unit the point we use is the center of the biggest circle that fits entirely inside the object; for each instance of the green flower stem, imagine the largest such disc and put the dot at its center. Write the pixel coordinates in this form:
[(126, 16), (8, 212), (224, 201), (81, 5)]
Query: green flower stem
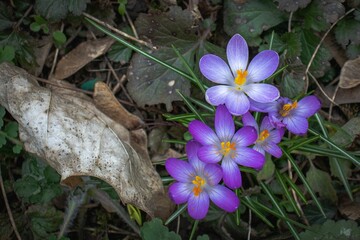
[(176, 214), (196, 222), (136, 49)]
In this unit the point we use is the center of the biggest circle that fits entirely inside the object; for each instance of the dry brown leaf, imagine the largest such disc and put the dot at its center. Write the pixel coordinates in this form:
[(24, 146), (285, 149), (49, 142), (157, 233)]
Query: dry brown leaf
[(351, 209), (77, 139), (108, 104), (343, 96), (350, 74), (80, 56)]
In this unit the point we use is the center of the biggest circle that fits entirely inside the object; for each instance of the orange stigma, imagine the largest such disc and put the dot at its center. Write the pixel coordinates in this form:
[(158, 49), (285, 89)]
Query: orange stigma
[(263, 135), (286, 109), (240, 78), (226, 147), (199, 183)]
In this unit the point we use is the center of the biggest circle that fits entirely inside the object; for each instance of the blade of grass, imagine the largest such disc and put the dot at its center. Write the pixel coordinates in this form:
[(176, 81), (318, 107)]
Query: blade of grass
[(202, 104), (296, 189), (175, 141), (279, 209), (189, 104), (176, 214), (248, 203), (193, 230), (287, 193), (306, 141), (136, 49), (320, 151), (303, 179)]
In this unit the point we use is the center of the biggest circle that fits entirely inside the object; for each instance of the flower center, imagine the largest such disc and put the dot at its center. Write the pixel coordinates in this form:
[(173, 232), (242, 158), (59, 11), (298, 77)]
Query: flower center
[(226, 147), (240, 78), (264, 135), (198, 182), (286, 109)]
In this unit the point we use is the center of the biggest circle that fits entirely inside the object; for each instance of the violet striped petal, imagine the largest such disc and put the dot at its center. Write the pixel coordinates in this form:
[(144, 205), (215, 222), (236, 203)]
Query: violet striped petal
[(180, 192), (224, 198), (180, 170), (202, 133), (273, 149), (262, 92), (307, 106), (249, 120), (263, 65), (245, 136), (198, 206), (248, 157), (213, 174), (237, 102), (217, 95), (215, 69), (192, 148), (296, 124), (231, 173), (210, 154), (237, 53), (224, 124)]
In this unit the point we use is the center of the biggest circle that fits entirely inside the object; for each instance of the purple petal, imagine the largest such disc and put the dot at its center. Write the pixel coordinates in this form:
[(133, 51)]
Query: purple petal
[(237, 52), (213, 174), (263, 66), (245, 136), (262, 92), (215, 69), (273, 149), (192, 148), (210, 154), (307, 106), (249, 120), (231, 173), (237, 102), (248, 157), (259, 148), (262, 107), (275, 136), (180, 170), (266, 124), (297, 125), (198, 206), (180, 192), (224, 198), (224, 124), (217, 95), (202, 133)]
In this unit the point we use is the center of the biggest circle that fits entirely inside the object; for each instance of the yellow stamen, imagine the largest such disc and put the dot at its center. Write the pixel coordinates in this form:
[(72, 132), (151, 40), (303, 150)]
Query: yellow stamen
[(240, 78), (226, 147), (286, 109), (264, 135), (198, 182)]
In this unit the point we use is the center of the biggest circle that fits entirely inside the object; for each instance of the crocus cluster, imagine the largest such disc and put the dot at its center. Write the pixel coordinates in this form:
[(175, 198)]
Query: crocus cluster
[(214, 155)]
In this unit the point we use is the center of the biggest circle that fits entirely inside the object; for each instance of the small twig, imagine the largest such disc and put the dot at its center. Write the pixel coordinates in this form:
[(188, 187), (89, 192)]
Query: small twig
[(56, 55), (8, 207), (289, 23), (321, 89), (331, 104), (149, 45), (249, 232), (131, 25), (119, 85), (24, 16), (318, 47)]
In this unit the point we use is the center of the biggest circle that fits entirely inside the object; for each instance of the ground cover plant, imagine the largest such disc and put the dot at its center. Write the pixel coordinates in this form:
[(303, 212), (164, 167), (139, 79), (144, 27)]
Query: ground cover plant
[(179, 119)]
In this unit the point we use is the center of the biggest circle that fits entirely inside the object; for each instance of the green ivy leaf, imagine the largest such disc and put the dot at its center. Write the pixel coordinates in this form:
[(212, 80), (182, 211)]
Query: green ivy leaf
[(156, 230), (251, 18), (347, 31), (11, 129), (7, 54), (44, 220), (77, 7), (320, 182), (52, 9), (309, 42), (119, 53)]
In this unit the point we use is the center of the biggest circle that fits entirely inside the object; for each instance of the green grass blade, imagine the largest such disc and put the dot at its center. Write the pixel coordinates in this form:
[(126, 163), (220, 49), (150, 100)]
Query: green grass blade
[(248, 203), (320, 151), (136, 49), (296, 188), (306, 141), (189, 104), (203, 105), (182, 142), (287, 193), (279, 209), (180, 210), (303, 179)]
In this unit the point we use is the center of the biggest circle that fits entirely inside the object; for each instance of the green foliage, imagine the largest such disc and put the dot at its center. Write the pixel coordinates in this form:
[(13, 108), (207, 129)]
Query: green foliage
[(122, 7), (59, 38), (119, 53), (155, 229), (9, 133), (292, 6), (251, 18), (7, 54), (267, 171), (89, 85), (40, 23), (56, 10), (331, 230)]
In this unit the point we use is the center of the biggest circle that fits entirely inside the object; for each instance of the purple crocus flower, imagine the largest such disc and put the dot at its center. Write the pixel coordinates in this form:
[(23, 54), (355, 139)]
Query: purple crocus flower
[(226, 145), (238, 80), (268, 135), (292, 114), (197, 182)]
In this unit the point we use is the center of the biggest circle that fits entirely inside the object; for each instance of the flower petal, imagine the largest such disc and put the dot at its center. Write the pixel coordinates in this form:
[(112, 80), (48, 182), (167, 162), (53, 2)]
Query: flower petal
[(237, 102), (210, 154), (259, 148), (262, 92), (192, 148), (262, 107), (202, 133), (215, 69), (180, 192), (275, 135), (249, 157), (180, 170), (213, 173), (249, 120), (245, 136), (231, 173), (273, 149), (263, 65), (266, 124), (224, 198), (198, 206), (224, 124), (307, 106), (237, 52), (217, 95), (296, 124)]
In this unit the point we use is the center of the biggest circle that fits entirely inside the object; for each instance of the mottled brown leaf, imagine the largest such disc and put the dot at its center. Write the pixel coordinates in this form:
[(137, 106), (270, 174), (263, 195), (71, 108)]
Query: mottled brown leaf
[(350, 75)]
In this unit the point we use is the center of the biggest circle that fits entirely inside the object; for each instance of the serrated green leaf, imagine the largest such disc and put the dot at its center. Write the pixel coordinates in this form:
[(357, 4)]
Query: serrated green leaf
[(278, 44), (347, 31), (156, 230), (52, 9), (59, 37), (11, 129), (267, 171), (44, 220), (292, 44), (77, 7), (320, 182), (292, 6), (119, 53), (292, 83), (7, 54), (251, 18), (26, 187), (309, 42)]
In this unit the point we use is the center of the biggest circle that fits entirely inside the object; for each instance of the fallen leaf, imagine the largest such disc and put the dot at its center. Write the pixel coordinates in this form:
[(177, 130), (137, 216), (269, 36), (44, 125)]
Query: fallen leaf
[(343, 95), (351, 209), (349, 76), (76, 139), (80, 56)]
